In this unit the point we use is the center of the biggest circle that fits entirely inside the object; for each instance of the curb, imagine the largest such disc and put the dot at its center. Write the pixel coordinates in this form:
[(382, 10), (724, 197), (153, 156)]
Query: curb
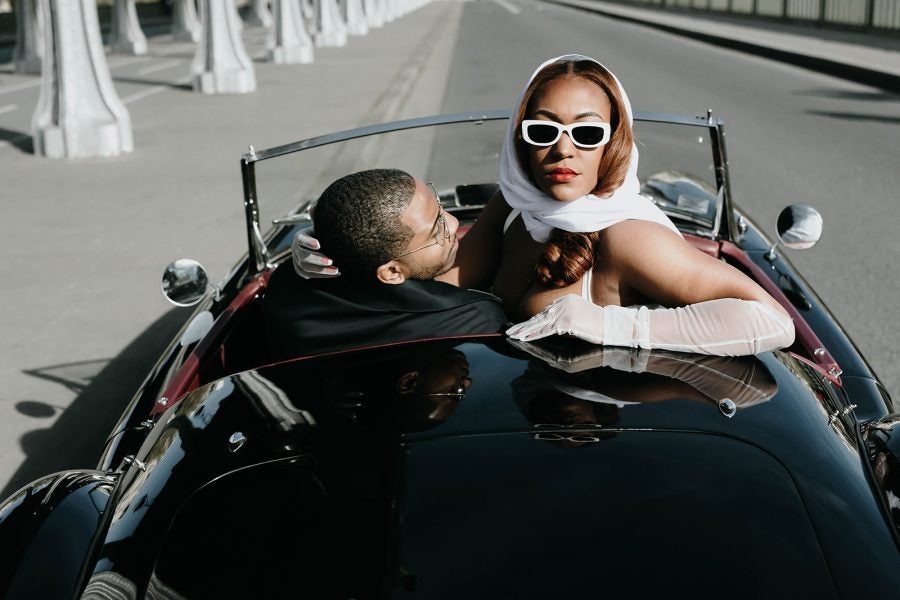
[(856, 73)]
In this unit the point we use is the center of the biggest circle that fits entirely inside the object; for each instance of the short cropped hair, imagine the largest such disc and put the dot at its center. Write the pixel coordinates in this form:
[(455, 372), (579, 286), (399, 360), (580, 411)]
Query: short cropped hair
[(357, 220)]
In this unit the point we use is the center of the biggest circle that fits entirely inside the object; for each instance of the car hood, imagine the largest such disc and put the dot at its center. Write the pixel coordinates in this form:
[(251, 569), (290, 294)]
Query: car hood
[(544, 476)]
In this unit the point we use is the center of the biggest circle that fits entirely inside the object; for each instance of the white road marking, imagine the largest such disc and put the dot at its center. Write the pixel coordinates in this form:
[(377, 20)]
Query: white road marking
[(152, 91), (20, 86), (160, 67), (508, 6), (8, 108)]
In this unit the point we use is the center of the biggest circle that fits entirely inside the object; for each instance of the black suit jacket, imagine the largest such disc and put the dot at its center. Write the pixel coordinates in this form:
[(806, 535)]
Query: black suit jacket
[(323, 315)]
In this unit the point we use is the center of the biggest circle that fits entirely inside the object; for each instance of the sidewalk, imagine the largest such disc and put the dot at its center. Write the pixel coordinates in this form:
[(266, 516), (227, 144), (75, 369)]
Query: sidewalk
[(83, 242), (862, 57)]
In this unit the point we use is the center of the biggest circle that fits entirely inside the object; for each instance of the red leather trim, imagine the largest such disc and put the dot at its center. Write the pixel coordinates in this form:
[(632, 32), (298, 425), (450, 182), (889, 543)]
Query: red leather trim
[(806, 343), (703, 244), (188, 377)]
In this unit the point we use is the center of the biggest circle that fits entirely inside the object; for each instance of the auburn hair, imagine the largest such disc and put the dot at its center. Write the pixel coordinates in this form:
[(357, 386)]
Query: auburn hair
[(567, 256)]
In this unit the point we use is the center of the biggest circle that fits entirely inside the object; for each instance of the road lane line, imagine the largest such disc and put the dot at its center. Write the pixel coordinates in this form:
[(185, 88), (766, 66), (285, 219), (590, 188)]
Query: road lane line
[(115, 63), (20, 86), (152, 91), (508, 6), (8, 108), (160, 67)]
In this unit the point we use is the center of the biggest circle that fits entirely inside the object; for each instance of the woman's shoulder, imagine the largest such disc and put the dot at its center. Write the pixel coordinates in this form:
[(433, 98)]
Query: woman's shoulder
[(635, 239), (638, 231)]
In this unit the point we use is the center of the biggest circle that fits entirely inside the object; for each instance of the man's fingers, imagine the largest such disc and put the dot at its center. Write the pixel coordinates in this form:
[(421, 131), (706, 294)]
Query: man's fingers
[(306, 241), (312, 272), (312, 258)]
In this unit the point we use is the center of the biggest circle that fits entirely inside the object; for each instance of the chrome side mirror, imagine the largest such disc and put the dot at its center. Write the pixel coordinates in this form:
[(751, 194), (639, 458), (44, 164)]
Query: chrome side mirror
[(799, 227), (184, 282)]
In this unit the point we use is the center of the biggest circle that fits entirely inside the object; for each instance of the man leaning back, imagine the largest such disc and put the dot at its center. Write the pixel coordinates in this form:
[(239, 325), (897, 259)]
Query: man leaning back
[(391, 237)]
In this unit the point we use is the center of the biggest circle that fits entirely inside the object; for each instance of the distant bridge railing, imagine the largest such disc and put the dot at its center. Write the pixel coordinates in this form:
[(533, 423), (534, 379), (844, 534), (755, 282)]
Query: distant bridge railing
[(865, 14)]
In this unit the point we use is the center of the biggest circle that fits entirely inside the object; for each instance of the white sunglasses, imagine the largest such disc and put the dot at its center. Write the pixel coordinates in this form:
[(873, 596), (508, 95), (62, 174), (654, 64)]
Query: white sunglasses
[(586, 134)]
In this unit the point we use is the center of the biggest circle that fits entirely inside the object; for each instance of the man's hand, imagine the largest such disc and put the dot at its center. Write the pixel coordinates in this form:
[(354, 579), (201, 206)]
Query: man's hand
[(308, 263)]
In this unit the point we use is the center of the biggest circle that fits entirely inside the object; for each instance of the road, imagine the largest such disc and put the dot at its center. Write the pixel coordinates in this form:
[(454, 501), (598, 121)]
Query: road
[(83, 242)]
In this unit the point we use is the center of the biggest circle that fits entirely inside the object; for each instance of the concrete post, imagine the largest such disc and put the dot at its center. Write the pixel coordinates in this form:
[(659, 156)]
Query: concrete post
[(374, 12), (388, 10), (29, 37), (78, 114), (289, 42), (308, 12), (331, 31), (126, 35), (185, 24), (259, 14), (356, 20), (221, 64)]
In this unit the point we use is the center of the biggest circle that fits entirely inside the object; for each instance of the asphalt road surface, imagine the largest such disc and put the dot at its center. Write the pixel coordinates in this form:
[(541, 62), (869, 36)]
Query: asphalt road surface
[(84, 242)]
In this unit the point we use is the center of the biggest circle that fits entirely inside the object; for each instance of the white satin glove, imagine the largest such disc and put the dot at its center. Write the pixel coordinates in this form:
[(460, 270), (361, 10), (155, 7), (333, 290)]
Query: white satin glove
[(620, 359), (722, 327), (308, 263)]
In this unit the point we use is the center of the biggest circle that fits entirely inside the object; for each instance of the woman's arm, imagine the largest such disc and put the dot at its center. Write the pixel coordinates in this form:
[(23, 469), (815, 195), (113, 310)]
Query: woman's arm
[(480, 249), (717, 309), (670, 271)]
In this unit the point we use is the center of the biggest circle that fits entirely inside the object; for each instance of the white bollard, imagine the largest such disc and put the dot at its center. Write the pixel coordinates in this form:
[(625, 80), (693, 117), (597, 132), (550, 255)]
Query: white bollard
[(221, 64), (78, 114), (29, 37), (126, 35), (374, 10), (289, 42), (185, 23), (331, 31), (259, 14), (388, 10), (355, 19)]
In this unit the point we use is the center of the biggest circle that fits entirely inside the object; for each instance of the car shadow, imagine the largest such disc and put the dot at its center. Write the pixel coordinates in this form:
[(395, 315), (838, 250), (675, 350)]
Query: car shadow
[(79, 434)]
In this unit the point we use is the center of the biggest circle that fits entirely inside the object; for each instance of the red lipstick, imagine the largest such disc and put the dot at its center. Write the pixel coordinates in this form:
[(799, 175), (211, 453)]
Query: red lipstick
[(562, 175)]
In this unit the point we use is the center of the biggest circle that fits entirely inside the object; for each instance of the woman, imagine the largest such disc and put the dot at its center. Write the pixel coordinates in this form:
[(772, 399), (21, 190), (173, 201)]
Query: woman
[(570, 204)]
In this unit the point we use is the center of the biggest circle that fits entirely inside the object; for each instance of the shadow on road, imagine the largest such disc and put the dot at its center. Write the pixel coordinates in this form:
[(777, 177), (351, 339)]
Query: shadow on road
[(77, 437), (17, 139)]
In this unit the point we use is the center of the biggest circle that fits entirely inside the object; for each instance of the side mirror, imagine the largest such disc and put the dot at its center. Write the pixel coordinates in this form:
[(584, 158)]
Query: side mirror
[(799, 227), (184, 282), (883, 443)]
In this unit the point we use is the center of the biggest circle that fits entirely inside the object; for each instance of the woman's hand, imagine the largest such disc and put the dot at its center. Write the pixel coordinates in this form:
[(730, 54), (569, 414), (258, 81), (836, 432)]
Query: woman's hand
[(308, 262), (722, 327)]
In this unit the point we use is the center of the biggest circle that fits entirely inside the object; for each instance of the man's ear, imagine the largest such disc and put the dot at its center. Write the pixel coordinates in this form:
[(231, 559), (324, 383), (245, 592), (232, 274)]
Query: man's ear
[(407, 382), (390, 272)]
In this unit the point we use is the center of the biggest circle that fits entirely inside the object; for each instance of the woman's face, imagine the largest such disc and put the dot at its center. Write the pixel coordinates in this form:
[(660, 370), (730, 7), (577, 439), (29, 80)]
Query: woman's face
[(564, 171)]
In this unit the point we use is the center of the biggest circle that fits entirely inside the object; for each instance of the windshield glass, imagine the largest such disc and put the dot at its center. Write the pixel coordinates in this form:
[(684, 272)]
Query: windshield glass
[(676, 167)]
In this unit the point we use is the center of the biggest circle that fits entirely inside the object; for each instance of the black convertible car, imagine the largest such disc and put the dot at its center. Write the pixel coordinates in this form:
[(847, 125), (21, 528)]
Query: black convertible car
[(473, 466)]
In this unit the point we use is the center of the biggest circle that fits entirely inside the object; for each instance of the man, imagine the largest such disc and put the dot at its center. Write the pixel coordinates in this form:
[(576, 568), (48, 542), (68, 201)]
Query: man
[(391, 237)]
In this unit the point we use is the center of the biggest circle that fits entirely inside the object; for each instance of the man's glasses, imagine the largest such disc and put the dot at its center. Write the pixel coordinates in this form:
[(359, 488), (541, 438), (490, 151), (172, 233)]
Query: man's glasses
[(441, 231), (458, 389), (583, 134), (581, 438)]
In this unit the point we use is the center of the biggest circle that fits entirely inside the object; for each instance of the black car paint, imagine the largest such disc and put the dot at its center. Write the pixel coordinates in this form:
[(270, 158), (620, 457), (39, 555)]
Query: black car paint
[(778, 475)]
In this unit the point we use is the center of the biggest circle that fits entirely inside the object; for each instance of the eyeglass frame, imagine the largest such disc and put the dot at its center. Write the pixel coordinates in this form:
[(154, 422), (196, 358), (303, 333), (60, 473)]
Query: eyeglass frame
[(460, 389), (440, 238), (583, 438), (560, 128)]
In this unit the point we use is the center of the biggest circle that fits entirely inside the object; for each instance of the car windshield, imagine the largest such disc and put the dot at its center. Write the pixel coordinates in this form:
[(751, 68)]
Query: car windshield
[(462, 159)]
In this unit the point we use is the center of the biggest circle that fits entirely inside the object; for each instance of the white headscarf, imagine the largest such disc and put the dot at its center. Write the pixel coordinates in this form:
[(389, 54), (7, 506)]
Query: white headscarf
[(542, 213)]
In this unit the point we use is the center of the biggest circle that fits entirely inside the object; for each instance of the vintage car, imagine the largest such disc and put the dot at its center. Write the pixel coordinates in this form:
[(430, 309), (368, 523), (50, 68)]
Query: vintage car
[(505, 469)]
